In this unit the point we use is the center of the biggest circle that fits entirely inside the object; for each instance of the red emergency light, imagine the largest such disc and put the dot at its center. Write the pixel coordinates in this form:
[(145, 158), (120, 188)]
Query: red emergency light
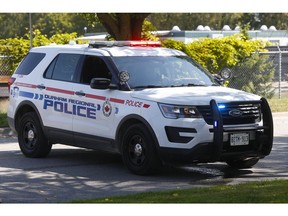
[(98, 44), (145, 43)]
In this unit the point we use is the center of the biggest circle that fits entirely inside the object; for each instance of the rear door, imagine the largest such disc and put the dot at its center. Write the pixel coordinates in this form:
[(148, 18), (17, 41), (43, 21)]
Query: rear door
[(57, 90)]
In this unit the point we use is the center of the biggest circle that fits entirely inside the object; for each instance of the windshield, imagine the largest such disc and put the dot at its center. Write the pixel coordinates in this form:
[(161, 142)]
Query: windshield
[(163, 71)]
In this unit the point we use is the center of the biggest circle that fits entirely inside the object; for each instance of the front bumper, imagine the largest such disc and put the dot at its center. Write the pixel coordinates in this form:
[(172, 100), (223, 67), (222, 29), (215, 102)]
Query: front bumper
[(220, 149)]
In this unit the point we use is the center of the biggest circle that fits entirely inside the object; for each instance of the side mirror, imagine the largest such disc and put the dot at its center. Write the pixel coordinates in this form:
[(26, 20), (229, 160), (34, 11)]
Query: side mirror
[(225, 73), (102, 83), (218, 79), (124, 76)]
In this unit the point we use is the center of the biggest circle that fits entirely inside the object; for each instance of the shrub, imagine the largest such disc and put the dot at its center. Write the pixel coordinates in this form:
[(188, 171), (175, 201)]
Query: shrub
[(15, 49)]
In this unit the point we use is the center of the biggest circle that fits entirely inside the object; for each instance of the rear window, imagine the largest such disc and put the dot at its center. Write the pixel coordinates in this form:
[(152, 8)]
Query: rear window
[(29, 63)]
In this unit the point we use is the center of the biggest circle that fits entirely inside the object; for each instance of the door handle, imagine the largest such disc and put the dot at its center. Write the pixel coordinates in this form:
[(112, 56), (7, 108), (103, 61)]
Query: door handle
[(80, 93), (41, 87)]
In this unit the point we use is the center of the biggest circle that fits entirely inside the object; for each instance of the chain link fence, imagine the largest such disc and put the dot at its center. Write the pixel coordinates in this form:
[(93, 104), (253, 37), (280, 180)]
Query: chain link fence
[(265, 74), (5, 73), (5, 67)]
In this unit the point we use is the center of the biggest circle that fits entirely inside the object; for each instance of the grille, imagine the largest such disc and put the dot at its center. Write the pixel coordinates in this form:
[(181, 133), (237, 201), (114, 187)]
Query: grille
[(234, 113)]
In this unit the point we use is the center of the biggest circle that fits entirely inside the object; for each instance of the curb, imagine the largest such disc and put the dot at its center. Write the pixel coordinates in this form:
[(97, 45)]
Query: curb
[(7, 132), (279, 114)]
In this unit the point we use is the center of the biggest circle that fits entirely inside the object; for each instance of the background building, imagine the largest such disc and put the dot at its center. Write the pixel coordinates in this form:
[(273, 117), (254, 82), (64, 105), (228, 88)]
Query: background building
[(276, 37)]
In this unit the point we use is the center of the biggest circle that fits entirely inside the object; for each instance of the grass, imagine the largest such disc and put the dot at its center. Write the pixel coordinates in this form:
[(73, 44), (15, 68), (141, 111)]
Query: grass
[(3, 112), (275, 191), (3, 120), (278, 105)]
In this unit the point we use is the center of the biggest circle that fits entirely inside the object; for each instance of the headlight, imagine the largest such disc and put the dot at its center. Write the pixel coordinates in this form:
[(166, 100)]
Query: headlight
[(175, 111)]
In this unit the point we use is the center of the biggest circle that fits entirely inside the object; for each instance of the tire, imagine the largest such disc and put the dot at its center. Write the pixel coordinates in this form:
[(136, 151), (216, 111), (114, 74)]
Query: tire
[(31, 138), (139, 152), (243, 163)]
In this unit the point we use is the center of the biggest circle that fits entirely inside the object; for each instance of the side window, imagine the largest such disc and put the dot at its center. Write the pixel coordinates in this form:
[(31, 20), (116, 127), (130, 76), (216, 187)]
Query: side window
[(29, 63), (94, 67), (63, 67)]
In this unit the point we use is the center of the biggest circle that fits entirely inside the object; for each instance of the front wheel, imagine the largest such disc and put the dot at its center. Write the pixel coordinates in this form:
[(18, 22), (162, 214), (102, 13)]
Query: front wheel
[(31, 138), (139, 152), (242, 163)]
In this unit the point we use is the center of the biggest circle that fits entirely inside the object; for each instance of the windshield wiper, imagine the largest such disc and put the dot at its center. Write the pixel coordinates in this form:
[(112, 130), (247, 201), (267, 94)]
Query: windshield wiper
[(189, 84), (148, 86), (159, 86)]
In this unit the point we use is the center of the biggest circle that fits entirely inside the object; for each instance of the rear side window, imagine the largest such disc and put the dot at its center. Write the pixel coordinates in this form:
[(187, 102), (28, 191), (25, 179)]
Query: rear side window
[(29, 63), (63, 67)]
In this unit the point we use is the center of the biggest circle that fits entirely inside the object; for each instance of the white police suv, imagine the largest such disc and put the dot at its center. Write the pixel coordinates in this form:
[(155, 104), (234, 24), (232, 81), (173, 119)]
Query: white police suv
[(150, 104)]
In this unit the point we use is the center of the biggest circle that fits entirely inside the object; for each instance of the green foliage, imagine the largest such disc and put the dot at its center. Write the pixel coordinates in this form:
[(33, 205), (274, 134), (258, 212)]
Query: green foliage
[(17, 48), (217, 53), (17, 24), (3, 120), (254, 75), (179, 45), (14, 49), (38, 39), (244, 32), (3, 112), (147, 28), (63, 38)]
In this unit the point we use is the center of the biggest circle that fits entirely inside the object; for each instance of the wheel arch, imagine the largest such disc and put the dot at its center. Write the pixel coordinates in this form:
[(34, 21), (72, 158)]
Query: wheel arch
[(24, 107), (129, 120)]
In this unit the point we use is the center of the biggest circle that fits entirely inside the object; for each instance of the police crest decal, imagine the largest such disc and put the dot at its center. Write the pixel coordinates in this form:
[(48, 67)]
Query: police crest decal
[(107, 108)]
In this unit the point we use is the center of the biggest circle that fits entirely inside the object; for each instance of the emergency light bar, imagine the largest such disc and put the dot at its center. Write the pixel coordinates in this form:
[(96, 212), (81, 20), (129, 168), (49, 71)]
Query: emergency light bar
[(98, 44)]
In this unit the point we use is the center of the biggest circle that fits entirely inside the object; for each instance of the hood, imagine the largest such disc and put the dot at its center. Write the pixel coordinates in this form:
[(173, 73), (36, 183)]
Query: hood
[(193, 95)]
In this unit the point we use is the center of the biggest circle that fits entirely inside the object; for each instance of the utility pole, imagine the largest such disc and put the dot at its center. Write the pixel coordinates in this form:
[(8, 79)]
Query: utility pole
[(30, 29)]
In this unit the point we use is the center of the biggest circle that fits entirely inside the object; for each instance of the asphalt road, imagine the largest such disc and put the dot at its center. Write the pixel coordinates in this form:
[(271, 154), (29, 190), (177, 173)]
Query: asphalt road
[(72, 173)]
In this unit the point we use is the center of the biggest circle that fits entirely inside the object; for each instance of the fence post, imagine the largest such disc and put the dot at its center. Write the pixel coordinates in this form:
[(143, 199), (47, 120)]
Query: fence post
[(30, 30), (280, 71)]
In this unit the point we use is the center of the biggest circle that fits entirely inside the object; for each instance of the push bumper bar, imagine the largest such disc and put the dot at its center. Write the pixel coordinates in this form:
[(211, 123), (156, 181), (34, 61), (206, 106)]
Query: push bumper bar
[(265, 138)]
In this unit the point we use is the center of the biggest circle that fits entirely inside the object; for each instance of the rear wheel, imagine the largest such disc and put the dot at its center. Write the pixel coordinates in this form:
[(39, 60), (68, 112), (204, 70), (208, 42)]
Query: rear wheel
[(243, 163), (31, 138), (139, 151)]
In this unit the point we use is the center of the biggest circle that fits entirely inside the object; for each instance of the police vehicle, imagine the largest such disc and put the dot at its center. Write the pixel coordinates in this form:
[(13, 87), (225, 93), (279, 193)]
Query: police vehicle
[(150, 104)]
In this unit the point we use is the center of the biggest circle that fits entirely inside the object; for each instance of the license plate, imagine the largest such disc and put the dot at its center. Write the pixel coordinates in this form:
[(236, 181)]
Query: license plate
[(239, 139)]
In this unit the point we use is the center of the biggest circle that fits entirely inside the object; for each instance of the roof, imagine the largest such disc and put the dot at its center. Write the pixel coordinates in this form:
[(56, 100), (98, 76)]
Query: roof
[(118, 48), (142, 51)]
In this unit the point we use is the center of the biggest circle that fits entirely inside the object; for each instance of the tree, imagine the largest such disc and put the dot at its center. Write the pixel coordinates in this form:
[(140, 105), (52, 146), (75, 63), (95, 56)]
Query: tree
[(17, 24), (13, 24), (123, 26), (254, 75)]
